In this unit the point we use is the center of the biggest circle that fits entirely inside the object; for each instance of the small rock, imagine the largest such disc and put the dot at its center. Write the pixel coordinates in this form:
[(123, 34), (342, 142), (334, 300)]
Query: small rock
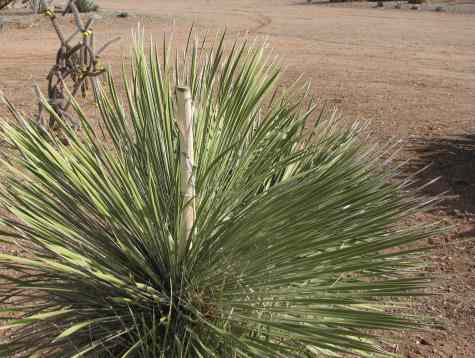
[(424, 342)]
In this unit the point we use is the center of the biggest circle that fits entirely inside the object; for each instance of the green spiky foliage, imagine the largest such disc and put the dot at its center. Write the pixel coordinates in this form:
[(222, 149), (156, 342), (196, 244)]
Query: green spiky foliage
[(87, 5), (295, 250)]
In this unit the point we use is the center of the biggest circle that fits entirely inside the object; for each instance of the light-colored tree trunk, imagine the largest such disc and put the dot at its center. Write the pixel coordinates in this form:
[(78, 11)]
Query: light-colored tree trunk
[(185, 125)]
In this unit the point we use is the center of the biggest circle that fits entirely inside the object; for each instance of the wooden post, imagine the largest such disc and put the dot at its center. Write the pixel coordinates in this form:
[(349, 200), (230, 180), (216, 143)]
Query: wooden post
[(185, 125)]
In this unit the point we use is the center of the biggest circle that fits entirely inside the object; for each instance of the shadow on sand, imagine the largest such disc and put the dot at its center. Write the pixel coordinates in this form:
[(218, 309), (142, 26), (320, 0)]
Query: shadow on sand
[(452, 160)]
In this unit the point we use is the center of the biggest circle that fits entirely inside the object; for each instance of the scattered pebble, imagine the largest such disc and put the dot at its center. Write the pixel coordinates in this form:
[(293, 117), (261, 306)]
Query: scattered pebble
[(424, 342)]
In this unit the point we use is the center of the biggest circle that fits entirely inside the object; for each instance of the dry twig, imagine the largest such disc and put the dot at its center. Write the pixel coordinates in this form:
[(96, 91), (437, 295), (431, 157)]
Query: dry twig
[(76, 63)]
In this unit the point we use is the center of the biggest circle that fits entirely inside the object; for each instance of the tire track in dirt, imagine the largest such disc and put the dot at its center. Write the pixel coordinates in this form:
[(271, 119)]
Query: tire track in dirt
[(260, 19), (263, 21)]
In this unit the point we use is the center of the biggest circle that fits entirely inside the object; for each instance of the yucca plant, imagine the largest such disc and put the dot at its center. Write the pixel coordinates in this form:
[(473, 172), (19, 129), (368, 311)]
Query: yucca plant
[(295, 244)]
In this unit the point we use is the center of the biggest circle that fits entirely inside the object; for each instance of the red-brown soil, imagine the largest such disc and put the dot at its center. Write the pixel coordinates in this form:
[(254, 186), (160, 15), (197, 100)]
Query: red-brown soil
[(410, 73)]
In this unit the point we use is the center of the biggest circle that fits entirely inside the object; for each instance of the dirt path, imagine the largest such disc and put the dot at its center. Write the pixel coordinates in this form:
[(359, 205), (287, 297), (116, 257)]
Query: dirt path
[(411, 73)]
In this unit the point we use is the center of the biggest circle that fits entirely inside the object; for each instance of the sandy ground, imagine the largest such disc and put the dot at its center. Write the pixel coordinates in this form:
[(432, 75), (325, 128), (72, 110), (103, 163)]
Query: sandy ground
[(410, 73)]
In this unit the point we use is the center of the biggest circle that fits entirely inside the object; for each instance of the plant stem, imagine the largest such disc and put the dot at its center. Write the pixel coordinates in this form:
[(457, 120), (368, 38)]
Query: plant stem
[(185, 125)]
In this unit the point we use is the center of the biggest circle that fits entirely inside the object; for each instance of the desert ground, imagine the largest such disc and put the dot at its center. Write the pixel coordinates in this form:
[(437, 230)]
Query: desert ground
[(409, 73)]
